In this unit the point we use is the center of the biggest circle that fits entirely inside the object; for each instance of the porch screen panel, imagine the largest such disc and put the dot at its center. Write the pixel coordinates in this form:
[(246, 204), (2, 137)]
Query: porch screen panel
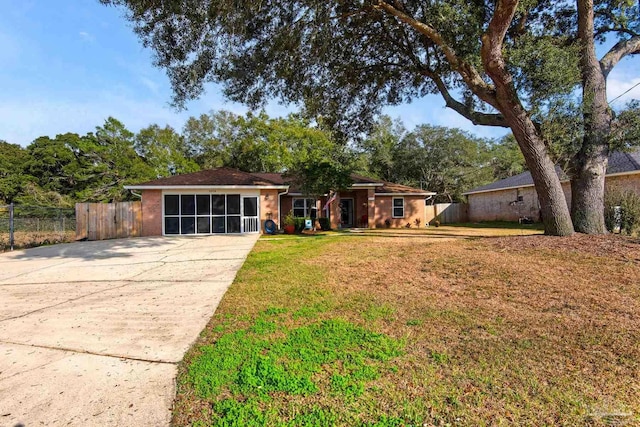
[(204, 224), (171, 205), (233, 213), (172, 225), (218, 210), (203, 202), (250, 206), (187, 225), (218, 223), (171, 214), (217, 204)]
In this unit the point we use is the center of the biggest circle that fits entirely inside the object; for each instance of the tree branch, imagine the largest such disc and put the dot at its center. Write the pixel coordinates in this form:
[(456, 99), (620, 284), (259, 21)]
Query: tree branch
[(467, 71), (493, 39), (476, 117), (617, 52)]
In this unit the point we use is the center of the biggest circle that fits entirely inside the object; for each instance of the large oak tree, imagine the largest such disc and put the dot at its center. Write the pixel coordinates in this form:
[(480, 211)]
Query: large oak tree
[(497, 63)]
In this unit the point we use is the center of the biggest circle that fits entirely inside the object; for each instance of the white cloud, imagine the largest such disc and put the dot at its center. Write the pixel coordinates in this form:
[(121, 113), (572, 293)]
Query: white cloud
[(618, 87), (151, 85), (88, 37)]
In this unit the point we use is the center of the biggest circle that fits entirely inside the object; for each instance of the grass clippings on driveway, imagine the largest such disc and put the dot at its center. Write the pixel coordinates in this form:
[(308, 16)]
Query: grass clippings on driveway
[(373, 330)]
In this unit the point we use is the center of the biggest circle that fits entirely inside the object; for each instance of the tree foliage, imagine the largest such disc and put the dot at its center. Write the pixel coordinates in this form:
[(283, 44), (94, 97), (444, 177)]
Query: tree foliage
[(444, 160), (498, 63)]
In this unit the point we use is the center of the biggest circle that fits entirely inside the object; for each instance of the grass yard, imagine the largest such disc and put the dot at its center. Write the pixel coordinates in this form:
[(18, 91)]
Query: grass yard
[(422, 328)]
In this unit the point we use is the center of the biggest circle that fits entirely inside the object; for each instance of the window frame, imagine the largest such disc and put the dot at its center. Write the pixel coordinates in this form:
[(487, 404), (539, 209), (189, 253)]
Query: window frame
[(394, 207), (306, 206)]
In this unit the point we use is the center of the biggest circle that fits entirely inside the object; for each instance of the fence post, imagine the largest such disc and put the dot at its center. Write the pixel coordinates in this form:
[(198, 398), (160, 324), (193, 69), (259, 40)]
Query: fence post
[(11, 239)]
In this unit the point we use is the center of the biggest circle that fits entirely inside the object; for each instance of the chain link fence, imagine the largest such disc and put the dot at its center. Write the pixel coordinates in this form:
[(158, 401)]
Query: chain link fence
[(23, 226)]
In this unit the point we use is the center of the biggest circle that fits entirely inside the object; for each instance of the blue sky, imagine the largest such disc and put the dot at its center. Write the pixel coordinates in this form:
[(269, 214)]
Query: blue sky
[(65, 66)]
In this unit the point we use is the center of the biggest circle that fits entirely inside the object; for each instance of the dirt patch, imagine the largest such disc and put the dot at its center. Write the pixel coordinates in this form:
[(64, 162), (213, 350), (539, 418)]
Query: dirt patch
[(611, 246)]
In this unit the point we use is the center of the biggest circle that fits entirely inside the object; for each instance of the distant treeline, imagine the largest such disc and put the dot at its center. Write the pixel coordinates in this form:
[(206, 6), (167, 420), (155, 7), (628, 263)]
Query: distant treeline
[(94, 167)]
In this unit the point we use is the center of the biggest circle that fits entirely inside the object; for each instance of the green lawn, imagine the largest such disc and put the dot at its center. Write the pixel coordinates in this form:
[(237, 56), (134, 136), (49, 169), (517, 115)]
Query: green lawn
[(380, 330)]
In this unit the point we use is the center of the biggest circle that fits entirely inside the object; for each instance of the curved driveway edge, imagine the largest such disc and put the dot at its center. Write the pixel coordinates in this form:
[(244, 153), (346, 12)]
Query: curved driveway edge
[(91, 332)]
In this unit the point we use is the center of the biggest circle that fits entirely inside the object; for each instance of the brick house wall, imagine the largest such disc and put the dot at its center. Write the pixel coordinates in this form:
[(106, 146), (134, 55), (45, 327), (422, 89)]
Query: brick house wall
[(269, 207), (414, 208), (501, 205), (152, 213)]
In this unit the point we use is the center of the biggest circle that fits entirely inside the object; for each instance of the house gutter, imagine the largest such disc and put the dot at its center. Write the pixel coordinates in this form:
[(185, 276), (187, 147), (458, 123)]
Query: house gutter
[(279, 203), (138, 195)]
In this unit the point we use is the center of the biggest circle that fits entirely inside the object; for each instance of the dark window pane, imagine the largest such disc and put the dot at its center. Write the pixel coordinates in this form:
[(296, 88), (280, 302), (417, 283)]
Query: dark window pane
[(398, 212), (298, 213), (218, 224), (233, 204), (217, 205), (398, 202), (202, 201), (171, 225), (188, 204), (298, 203), (204, 225), (233, 224), (250, 206), (171, 206), (187, 225)]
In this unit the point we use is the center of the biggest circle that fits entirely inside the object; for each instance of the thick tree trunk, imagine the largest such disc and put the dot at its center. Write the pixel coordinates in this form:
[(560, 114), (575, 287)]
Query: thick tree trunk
[(587, 189), (555, 212), (588, 168), (553, 204)]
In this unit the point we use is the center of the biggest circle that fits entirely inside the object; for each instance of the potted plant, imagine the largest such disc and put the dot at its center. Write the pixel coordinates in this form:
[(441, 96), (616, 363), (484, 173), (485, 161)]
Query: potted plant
[(289, 223)]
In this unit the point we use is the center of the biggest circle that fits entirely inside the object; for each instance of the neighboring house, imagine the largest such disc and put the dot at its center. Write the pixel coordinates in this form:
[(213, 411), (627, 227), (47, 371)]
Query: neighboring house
[(515, 197), (226, 200)]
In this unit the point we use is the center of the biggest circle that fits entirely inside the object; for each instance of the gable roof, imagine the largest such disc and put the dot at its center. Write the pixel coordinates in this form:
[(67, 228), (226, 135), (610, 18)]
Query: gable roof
[(229, 177), (212, 178), (619, 163)]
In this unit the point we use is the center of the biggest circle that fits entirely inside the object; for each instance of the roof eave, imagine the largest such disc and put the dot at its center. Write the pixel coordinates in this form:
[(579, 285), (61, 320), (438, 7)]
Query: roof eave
[(205, 187), (515, 187)]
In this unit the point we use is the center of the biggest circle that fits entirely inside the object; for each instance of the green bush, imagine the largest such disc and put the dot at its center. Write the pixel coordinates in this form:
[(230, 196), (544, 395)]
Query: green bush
[(325, 224), (628, 216), (299, 223)]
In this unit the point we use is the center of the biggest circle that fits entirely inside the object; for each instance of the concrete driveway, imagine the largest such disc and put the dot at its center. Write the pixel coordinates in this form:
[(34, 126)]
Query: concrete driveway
[(91, 332)]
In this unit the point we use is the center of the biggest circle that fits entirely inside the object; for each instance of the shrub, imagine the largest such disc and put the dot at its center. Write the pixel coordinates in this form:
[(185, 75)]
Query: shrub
[(325, 224), (299, 223), (627, 217)]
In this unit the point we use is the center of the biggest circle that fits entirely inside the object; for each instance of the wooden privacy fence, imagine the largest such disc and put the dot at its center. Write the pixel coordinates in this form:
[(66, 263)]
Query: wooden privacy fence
[(450, 213), (100, 221)]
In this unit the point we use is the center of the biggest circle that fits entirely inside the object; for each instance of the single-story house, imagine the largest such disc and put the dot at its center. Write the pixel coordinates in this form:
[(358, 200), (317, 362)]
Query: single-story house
[(515, 197), (226, 200)]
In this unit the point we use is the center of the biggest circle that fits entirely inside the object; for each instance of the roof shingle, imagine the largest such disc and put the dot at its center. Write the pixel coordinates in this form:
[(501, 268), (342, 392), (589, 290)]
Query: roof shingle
[(211, 177)]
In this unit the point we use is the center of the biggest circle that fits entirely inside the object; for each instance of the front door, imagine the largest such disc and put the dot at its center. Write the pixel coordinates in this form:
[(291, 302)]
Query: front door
[(346, 212)]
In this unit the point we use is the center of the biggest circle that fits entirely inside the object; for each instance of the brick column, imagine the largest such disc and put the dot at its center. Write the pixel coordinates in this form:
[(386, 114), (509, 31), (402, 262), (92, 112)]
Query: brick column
[(371, 204), (334, 211)]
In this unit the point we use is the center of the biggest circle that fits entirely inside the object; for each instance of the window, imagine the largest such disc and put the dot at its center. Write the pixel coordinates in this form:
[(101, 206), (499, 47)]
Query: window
[(302, 207), (398, 207), (519, 196)]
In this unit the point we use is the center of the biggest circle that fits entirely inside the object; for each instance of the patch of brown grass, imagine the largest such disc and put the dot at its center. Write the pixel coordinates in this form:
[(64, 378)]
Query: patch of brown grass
[(525, 330), (556, 318), (31, 239)]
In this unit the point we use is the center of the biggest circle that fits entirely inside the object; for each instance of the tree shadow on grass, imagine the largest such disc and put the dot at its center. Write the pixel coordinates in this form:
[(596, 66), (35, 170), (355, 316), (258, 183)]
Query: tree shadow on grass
[(87, 250)]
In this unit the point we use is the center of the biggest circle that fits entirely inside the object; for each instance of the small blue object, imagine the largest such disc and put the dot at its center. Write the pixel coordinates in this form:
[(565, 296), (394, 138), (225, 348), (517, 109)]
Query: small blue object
[(308, 224), (270, 226)]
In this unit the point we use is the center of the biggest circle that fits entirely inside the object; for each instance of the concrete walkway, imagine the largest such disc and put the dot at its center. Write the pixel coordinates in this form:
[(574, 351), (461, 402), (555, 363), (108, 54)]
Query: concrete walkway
[(91, 332)]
